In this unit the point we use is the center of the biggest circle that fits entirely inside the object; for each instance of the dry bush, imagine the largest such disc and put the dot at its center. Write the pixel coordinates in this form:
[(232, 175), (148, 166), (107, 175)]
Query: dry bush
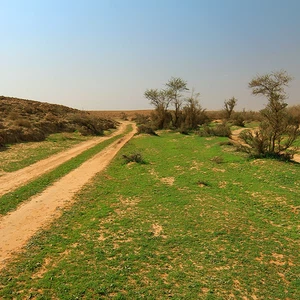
[(13, 115), (294, 113), (222, 130), (123, 116), (26, 120), (23, 123), (135, 157), (141, 119), (146, 129), (217, 159)]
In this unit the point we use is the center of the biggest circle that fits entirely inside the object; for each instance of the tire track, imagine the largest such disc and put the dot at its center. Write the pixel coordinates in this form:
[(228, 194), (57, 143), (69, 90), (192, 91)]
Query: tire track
[(13, 180), (17, 227)]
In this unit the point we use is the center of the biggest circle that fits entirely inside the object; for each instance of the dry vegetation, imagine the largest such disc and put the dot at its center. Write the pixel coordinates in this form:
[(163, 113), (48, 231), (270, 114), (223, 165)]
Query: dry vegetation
[(26, 120), (121, 114)]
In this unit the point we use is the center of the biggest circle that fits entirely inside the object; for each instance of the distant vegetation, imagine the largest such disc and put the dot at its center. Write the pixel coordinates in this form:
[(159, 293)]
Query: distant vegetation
[(279, 129), (278, 126), (26, 120)]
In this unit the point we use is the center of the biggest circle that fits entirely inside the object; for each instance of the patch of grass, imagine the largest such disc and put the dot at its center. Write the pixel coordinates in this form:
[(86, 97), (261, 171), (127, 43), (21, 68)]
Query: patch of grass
[(21, 155), (253, 124), (10, 201), (297, 143), (148, 231)]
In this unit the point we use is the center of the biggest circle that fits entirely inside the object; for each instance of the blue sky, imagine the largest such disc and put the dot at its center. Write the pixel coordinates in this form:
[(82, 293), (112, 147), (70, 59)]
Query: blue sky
[(104, 54)]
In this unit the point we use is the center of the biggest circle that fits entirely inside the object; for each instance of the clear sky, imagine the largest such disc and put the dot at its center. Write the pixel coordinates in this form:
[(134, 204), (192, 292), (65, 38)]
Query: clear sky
[(103, 55)]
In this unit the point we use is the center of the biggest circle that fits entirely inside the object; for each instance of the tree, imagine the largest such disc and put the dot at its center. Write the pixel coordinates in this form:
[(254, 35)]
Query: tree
[(276, 132), (229, 106), (193, 114), (160, 99), (176, 86)]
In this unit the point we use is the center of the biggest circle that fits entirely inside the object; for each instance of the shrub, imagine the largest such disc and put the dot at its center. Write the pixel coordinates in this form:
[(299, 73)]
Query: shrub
[(145, 129), (226, 143), (135, 157), (238, 119), (141, 119), (221, 130), (123, 116), (23, 123), (217, 159)]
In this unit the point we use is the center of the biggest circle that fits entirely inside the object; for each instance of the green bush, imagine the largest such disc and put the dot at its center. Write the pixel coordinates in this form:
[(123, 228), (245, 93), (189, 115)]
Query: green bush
[(221, 130)]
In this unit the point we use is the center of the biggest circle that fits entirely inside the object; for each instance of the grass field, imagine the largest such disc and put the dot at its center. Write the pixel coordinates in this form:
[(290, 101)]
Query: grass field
[(195, 221)]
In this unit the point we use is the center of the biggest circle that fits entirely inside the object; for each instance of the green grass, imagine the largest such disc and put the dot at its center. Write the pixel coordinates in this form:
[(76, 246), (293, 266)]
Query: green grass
[(11, 200), (253, 124), (155, 231), (297, 143), (21, 155)]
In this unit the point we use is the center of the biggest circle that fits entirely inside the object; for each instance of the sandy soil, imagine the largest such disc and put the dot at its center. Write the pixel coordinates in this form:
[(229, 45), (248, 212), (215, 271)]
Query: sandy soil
[(13, 180), (17, 227)]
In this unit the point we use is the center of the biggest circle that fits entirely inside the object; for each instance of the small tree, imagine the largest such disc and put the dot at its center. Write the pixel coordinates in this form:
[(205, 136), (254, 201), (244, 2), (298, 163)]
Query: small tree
[(160, 99), (193, 114), (176, 86), (276, 133), (229, 105)]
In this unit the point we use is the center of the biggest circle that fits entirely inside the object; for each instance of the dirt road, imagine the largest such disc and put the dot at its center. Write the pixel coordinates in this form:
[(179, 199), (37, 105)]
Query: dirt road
[(13, 180), (17, 227)]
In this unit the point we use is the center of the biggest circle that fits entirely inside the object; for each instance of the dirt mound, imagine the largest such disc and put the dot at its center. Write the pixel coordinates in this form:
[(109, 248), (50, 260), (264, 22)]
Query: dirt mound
[(27, 120)]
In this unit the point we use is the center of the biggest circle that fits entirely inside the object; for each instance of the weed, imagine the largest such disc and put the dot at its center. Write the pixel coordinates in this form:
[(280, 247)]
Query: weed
[(217, 159), (135, 157)]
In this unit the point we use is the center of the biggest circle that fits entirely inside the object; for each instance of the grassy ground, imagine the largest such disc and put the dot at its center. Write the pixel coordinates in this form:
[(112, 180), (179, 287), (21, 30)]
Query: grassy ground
[(196, 221), (21, 155), (11, 200)]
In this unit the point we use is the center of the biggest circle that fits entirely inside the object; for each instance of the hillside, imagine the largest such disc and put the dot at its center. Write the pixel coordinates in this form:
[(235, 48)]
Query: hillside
[(27, 120)]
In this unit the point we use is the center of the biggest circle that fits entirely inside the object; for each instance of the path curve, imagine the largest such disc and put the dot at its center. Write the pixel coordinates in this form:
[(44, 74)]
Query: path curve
[(17, 227), (13, 180)]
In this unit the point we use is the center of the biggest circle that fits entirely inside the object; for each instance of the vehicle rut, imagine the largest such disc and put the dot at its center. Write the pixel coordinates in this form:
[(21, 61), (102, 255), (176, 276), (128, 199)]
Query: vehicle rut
[(13, 180)]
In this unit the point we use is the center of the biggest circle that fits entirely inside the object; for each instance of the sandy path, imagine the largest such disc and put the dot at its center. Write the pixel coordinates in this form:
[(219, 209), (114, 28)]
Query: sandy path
[(17, 227), (13, 180)]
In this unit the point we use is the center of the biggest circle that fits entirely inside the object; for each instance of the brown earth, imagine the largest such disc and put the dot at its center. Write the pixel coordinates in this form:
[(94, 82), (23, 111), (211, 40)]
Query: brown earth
[(17, 227)]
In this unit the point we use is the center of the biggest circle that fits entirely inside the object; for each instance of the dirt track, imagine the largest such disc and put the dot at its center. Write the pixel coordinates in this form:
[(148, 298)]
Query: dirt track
[(17, 227), (13, 180)]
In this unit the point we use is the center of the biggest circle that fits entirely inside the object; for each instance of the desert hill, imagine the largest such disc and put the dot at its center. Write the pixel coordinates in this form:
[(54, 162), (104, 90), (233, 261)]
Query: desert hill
[(27, 120)]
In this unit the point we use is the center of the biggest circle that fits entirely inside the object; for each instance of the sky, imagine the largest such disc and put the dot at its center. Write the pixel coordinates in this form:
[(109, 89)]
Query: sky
[(103, 55)]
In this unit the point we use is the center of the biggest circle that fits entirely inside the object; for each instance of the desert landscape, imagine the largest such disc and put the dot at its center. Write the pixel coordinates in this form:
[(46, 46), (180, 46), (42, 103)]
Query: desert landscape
[(150, 150), (143, 204)]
